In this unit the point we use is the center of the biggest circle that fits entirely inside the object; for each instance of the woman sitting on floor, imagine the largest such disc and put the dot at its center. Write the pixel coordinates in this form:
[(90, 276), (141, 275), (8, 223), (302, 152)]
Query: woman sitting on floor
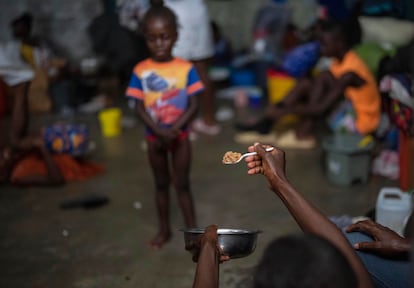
[(37, 166)]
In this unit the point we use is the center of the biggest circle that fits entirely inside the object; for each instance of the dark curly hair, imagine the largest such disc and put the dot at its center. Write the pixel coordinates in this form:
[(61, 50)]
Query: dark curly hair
[(303, 261), (26, 19), (160, 11)]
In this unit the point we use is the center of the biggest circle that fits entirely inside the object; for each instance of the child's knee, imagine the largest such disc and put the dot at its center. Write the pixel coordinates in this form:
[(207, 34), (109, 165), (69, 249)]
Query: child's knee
[(182, 186), (162, 184), (305, 83)]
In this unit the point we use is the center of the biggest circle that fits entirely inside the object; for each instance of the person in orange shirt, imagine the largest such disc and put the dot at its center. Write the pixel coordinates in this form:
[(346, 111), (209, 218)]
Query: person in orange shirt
[(348, 76), (365, 100)]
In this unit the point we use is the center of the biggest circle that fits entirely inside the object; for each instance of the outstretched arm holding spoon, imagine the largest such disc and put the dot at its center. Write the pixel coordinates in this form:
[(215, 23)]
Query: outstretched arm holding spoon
[(270, 162), (309, 218)]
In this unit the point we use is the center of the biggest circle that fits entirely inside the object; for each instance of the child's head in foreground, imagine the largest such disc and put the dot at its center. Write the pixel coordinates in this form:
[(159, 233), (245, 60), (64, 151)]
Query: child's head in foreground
[(160, 31), (303, 261)]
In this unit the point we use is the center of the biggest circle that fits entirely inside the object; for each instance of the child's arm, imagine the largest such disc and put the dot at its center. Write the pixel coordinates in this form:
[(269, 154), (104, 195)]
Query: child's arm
[(144, 116), (19, 116), (194, 87), (188, 114)]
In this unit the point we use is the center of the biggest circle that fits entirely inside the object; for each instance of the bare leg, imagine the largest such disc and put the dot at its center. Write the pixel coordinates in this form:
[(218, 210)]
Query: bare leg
[(324, 82), (321, 85), (299, 92), (110, 88), (159, 162), (20, 115), (181, 167), (304, 91), (276, 111), (207, 96)]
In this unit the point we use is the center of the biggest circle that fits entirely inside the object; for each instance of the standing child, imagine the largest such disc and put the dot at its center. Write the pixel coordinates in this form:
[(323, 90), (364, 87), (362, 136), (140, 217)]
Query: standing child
[(165, 88)]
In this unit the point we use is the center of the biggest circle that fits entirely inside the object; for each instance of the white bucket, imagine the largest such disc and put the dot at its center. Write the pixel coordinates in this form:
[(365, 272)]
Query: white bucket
[(393, 208)]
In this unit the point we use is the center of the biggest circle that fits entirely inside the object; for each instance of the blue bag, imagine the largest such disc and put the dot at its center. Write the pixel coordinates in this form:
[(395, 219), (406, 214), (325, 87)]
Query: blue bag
[(301, 59)]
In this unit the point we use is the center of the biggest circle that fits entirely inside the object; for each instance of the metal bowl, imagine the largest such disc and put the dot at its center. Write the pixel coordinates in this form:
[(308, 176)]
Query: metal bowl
[(236, 243)]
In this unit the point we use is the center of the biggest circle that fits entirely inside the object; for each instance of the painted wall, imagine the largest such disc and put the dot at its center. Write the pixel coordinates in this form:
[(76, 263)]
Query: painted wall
[(236, 17), (63, 23)]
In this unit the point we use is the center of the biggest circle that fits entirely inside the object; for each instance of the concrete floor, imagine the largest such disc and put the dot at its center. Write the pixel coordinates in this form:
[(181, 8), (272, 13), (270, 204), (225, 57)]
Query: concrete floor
[(44, 246)]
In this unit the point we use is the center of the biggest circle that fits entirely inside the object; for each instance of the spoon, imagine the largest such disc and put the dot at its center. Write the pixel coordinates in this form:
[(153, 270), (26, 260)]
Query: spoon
[(242, 156)]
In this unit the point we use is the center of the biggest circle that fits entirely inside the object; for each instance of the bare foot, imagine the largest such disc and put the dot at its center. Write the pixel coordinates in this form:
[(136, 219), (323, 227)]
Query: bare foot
[(159, 240), (304, 136), (274, 112), (305, 130)]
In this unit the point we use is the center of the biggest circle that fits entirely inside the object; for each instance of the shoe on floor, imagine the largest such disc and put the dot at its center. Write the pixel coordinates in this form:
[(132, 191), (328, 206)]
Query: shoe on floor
[(144, 146), (192, 135), (290, 141), (224, 114), (200, 126), (95, 105), (252, 137), (128, 122)]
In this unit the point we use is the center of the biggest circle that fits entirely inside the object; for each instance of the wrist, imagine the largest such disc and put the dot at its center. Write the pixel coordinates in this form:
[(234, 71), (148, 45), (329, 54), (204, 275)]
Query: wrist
[(279, 184), (403, 246), (205, 241), (209, 246)]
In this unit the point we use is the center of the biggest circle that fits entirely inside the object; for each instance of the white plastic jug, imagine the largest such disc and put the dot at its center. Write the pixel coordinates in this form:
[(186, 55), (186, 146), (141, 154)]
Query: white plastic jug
[(393, 208)]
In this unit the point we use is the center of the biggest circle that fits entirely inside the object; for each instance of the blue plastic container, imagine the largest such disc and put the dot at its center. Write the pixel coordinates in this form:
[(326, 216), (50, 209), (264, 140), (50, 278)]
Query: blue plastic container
[(255, 97), (242, 77)]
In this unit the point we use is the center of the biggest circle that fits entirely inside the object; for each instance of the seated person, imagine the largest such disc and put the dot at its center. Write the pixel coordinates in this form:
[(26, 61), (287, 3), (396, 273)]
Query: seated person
[(309, 218), (384, 253), (302, 260), (10, 157), (35, 165), (20, 62), (402, 62), (378, 240), (17, 74), (348, 76), (34, 50), (52, 74)]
